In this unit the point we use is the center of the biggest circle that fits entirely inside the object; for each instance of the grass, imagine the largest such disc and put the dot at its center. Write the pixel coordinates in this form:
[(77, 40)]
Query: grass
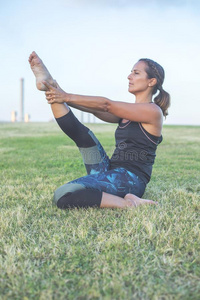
[(143, 253)]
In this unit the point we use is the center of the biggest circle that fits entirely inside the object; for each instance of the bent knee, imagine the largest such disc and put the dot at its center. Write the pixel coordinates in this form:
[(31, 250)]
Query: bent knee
[(65, 189), (56, 196), (64, 202)]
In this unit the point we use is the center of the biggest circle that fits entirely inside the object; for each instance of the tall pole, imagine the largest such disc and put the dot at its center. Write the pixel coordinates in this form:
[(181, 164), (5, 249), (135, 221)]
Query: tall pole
[(22, 100)]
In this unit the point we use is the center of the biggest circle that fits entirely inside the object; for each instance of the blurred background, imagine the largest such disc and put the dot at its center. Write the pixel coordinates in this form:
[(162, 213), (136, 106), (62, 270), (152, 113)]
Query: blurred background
[(90, 47)]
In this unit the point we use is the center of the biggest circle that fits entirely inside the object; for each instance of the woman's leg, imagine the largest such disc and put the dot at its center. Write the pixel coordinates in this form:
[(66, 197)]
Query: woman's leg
[(93, 154), (114, 188), (94, 198), (59, 109)]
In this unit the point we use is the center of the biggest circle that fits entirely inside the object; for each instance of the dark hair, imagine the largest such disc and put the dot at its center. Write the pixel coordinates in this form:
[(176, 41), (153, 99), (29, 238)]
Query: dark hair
[(154, 70)]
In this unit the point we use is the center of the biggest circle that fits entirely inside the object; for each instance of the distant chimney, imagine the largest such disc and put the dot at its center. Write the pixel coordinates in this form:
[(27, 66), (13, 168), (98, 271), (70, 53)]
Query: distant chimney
[(22, 100)]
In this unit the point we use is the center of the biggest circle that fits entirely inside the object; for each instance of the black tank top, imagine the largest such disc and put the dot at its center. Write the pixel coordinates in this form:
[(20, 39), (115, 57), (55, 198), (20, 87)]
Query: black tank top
[(135, 149)]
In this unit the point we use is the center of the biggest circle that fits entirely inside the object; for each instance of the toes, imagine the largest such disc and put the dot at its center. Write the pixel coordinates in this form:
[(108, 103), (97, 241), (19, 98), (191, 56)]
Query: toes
[(152, 202), (31, 57)]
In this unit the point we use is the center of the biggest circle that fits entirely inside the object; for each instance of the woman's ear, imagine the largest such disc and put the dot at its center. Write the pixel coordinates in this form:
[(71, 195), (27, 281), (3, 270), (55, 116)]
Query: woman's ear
[(152, 82)]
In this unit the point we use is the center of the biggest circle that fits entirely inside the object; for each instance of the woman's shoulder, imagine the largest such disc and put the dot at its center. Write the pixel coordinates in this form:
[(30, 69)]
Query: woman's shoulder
[(155, 126)]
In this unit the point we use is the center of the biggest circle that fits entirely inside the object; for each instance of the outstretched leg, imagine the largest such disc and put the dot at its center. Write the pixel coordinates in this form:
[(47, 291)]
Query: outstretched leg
[(94, 156)]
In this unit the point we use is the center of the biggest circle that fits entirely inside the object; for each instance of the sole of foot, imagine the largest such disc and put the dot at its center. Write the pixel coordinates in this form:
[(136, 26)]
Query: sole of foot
[(40, 71)]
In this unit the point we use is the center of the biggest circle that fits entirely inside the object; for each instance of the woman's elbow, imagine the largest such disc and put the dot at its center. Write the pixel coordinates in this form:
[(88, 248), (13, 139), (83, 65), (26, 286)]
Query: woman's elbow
[(107, 105)]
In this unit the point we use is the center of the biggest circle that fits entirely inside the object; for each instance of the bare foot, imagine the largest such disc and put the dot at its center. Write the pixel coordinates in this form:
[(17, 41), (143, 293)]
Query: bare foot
[(40, 71), (135, 201)]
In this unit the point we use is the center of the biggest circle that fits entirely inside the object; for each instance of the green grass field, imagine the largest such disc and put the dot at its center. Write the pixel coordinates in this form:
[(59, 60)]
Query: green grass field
[(143, 253)]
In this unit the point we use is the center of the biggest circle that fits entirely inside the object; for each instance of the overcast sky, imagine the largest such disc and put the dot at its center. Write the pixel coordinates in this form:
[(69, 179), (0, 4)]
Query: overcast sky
[(90, 47)]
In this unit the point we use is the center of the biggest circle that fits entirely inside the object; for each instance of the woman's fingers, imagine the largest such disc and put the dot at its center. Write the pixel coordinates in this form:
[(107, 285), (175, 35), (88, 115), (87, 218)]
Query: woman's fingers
[(48, 97), (48, 85), (49, 93), (54, 94)]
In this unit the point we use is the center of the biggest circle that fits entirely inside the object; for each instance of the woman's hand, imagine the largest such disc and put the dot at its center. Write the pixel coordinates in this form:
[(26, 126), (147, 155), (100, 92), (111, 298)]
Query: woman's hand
[(55, 94)]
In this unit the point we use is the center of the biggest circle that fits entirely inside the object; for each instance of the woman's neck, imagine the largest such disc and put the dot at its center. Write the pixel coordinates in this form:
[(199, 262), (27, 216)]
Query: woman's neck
[(143, 98)]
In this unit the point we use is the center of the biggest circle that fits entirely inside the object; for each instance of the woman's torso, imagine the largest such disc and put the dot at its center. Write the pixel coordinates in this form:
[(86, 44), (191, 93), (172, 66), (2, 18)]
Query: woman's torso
[(135, 148)]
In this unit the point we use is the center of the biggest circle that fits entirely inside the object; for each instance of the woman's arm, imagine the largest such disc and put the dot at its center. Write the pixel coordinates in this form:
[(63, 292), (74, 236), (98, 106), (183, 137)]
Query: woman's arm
[(138, 112), (104, 116), (107, 117)]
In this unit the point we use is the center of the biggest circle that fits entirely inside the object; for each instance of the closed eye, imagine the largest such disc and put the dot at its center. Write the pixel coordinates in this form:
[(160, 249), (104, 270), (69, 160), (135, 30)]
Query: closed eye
[(135, 72)]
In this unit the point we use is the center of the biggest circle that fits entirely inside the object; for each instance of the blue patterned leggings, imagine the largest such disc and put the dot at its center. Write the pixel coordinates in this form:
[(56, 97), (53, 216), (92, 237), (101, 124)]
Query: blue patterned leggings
[(100, 177)]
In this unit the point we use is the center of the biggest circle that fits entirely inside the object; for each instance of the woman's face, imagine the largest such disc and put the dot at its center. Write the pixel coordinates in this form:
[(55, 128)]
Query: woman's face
[(138, 79)]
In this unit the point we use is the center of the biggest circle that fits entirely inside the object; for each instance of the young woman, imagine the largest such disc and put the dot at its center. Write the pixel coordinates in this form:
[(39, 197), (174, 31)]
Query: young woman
[(120, 181)]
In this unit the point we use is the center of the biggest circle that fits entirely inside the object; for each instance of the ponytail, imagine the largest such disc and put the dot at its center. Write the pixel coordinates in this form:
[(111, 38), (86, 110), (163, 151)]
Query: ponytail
[(154, 70), (163, 101)]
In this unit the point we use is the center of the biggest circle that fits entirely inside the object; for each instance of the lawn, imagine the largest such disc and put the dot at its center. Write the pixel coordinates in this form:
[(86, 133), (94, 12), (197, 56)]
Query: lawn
[(143, 253)]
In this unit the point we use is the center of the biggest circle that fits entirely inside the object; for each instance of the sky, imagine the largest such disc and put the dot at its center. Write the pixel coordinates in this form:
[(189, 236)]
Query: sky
[(90, 47)]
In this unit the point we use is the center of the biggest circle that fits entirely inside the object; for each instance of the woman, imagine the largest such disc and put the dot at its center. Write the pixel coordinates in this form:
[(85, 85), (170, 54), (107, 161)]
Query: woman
[(118, 182)]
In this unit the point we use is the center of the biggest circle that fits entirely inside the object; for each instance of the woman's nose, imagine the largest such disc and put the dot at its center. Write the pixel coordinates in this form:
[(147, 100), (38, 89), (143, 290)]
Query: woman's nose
[(129, 77)]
